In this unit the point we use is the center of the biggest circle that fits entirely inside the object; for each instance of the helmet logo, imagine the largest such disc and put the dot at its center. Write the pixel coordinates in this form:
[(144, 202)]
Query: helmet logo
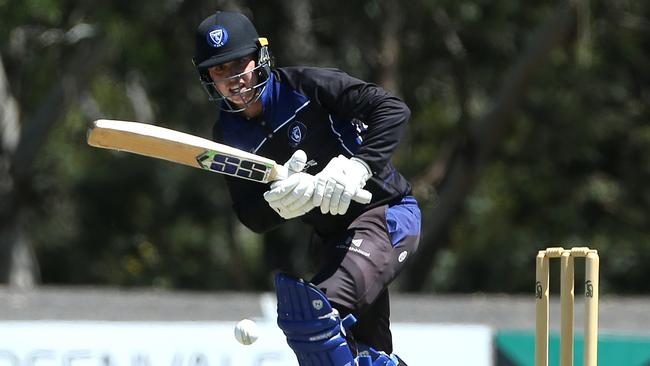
[(296, 133), (217, 37)]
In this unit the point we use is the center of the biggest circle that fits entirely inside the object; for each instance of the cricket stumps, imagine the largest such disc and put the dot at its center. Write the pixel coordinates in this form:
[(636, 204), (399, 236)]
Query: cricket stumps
[(566, 304)]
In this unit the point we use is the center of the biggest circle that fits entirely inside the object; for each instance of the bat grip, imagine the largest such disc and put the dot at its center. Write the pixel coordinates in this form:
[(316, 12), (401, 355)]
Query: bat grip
[(362, 196)]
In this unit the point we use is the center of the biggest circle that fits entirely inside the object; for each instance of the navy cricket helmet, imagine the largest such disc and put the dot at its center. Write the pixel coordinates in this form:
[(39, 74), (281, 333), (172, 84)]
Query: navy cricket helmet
[(227, 36)]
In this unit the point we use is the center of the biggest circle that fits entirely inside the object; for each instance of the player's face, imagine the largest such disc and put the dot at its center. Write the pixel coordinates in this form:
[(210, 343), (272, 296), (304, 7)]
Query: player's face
[(235, 80)]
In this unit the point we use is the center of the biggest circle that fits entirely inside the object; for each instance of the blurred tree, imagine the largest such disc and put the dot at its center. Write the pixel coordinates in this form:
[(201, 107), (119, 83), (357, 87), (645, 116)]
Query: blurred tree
[(516, 208), (24, 143), (474, 148), (515, 143)]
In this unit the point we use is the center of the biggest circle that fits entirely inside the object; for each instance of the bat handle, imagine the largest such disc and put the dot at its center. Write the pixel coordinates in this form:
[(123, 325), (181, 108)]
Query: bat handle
[(362, 196)]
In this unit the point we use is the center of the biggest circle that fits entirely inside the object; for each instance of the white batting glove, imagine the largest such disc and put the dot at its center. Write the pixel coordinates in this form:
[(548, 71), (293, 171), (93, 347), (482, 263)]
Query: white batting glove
[(338, 182), (292, 197)]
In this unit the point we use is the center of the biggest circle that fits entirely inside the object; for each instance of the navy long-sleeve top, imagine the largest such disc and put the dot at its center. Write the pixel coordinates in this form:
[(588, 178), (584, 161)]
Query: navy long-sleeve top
[(324, 112)]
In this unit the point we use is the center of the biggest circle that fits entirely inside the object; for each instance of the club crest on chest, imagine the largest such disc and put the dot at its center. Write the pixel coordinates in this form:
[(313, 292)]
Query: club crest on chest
[(296, 132)]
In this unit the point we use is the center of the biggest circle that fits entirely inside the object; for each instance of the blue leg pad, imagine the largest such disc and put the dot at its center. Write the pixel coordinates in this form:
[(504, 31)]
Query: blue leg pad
[(314, 330)]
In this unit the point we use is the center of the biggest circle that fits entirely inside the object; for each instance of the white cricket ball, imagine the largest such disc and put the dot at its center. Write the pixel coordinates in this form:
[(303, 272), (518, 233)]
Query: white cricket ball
[(246, 332)]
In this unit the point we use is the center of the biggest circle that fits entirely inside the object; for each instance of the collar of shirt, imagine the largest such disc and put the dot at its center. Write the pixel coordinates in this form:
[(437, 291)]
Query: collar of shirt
[(280, 103)]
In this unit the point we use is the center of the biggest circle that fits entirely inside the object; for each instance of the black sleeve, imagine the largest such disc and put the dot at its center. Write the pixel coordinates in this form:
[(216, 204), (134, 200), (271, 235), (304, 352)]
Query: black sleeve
[(249, 205), (351, 98)]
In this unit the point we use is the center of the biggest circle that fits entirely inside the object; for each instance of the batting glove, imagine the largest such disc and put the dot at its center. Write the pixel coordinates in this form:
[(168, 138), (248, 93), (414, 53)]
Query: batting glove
[(292, 197), (338, 182)]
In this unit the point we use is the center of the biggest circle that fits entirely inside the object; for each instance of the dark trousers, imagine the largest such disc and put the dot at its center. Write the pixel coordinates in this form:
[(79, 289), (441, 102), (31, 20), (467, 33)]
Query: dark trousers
[(356, 267)]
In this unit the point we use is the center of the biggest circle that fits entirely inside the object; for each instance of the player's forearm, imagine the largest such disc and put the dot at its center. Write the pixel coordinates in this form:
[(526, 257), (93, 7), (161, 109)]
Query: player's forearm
[(250, 207), (258, 216)]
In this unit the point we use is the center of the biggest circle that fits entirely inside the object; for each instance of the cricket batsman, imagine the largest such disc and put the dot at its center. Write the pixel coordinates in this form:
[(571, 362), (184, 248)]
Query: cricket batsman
[(337, 135)]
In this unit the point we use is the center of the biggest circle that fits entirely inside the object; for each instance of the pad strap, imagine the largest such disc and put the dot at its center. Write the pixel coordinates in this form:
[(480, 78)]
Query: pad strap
[(371, 357)]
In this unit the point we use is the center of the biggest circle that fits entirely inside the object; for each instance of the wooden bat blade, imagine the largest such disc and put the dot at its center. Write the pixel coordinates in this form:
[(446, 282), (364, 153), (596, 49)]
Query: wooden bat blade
[(179, 147), (183, 148)]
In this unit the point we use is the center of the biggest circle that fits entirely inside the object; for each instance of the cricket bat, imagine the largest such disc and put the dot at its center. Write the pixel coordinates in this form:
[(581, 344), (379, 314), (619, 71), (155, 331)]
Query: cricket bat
[(182, 148)]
